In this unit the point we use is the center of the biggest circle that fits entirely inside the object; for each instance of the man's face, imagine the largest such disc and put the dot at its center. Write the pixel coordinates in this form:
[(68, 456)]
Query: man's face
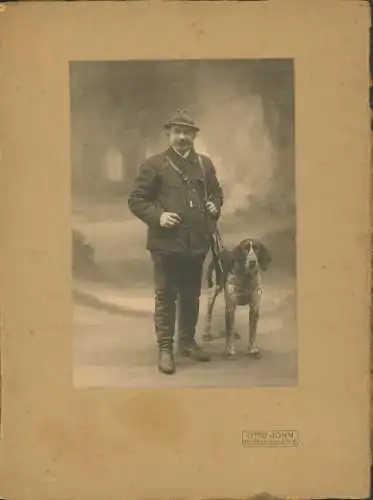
[(181, 138)]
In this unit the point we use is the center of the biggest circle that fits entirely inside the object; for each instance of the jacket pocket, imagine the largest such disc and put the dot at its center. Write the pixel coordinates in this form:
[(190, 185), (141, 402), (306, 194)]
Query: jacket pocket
[(166, 239), (173, 198)]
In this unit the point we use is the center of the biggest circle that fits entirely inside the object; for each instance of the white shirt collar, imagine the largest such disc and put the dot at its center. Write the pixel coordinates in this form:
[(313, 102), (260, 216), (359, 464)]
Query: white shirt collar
[(185, 155)]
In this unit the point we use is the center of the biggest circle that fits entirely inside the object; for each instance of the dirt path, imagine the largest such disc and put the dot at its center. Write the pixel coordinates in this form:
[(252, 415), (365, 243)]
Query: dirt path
[(114, 344)]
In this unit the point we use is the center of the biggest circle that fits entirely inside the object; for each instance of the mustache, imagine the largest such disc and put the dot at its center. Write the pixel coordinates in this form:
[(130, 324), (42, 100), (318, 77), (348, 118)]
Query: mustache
[(183, 142)]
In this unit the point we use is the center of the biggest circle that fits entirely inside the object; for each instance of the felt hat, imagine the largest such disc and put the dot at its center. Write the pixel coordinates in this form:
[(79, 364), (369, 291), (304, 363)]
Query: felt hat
[(181, 118)]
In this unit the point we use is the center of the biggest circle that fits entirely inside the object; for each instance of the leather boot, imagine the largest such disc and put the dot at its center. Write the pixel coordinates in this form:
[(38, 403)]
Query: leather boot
[(193, 351), (166, 361), (188, 309), (164, 321)]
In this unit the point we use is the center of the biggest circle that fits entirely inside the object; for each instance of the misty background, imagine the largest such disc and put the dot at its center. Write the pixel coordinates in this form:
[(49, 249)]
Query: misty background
[(245, 110)]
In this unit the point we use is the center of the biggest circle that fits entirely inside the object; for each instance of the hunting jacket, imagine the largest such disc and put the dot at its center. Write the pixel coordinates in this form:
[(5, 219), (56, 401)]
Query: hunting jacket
[(158, 188)]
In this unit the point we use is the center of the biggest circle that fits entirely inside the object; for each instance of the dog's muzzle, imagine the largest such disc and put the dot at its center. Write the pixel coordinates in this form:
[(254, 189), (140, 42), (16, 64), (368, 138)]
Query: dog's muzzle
[(251, 260)]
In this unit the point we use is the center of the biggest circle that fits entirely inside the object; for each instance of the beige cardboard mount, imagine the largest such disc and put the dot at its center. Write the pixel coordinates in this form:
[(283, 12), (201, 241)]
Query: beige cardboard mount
[(62, 443)]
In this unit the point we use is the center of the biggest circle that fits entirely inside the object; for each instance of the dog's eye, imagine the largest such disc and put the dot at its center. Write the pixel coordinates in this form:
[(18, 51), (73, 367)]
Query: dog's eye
[(249, 248)]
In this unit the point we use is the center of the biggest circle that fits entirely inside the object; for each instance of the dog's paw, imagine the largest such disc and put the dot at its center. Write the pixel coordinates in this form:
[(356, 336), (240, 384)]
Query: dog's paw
[(230, 354), (254, 353)]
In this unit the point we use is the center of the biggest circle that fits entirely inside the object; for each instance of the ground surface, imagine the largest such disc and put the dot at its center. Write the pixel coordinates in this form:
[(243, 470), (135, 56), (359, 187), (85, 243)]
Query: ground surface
[(114, 342)]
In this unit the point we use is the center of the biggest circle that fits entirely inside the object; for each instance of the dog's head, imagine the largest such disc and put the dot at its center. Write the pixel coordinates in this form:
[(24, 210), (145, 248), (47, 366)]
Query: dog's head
[(252, 255)]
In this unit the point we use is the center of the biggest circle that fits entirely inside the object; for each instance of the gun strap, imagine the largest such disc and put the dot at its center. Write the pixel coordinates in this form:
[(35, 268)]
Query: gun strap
[(185, 179), (216, 240)]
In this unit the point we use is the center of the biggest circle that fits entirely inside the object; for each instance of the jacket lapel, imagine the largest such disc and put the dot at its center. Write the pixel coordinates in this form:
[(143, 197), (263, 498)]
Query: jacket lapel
[(183, 163)]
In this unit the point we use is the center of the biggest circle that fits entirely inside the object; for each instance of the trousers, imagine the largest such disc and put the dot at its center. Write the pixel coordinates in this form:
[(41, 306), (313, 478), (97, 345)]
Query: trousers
[(177, 285)]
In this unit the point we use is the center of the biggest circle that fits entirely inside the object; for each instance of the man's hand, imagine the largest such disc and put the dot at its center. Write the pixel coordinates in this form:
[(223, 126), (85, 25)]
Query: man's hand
[(211, 208), (169, 219)]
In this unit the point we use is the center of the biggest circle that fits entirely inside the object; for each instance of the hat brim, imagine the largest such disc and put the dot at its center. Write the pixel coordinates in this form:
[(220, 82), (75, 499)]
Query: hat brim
[(182, 124)]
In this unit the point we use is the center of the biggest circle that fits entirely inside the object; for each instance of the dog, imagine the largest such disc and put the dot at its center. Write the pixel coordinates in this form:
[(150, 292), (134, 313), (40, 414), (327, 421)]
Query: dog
[(239, 278)]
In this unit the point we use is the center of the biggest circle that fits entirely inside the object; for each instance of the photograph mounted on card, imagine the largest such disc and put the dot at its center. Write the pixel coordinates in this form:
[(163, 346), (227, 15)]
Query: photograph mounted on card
[(184, 287), (183, 183)]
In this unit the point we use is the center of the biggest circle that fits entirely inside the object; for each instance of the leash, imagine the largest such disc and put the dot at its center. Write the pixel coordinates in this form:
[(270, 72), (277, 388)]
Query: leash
[(216, 240)]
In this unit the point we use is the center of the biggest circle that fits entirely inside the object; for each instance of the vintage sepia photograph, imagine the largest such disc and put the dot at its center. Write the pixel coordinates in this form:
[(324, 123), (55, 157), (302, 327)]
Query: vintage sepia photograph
[(185, 301), (183, 223)]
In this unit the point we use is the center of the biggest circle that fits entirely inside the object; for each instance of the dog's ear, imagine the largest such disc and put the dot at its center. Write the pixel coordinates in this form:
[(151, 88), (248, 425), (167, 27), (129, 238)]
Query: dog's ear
[(264, 256)]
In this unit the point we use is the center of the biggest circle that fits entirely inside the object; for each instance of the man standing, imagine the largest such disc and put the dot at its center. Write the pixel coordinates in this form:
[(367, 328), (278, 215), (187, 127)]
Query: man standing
[(178, 196)]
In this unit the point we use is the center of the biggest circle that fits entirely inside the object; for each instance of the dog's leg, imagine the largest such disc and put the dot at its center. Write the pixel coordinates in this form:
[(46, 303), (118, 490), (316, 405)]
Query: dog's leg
[(253, 349), (212, 295), (230, 313), (235, 334)]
